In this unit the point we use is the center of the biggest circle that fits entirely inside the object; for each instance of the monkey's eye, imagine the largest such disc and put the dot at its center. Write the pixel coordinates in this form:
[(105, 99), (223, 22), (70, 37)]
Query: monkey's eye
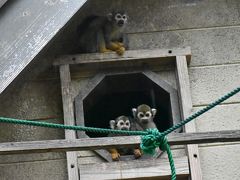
[(140, 115), (121, 123), (118, 16), (127, 123), (148, 114), (124, 17)]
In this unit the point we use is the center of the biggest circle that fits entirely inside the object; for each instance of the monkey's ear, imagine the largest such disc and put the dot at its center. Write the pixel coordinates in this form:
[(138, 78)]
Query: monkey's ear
[(112, 124), (109, 16), (134, 111), (154, 111)]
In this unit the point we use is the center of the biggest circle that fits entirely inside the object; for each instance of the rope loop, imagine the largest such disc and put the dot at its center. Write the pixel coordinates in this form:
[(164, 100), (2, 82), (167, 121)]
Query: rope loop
[(152, 140)]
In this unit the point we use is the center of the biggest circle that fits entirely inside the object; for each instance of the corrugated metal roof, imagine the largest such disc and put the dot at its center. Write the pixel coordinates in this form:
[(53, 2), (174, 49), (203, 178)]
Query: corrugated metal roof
[(25, 28)]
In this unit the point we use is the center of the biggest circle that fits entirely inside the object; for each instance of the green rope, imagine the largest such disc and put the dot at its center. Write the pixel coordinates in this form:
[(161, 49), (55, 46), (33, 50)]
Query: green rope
[(202, 111), (151, 139)]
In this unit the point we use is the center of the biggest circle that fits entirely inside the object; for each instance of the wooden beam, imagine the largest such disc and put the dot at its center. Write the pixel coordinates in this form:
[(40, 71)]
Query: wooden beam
[(109, 142), (72, 163), (158, 168), (186, 109), (164, 56)]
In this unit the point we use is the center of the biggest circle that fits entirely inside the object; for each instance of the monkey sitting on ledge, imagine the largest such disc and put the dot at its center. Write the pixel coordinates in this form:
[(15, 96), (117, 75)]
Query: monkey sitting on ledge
[(103, 34), (122, 123)]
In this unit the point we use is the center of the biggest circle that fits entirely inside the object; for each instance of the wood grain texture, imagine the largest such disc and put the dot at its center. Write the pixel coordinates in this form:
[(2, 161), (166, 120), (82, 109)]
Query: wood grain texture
[(113, 142), (65, 77), (83, 92), (135, 169), (164, 56), (186, 108), (2, 2), (26, 31)]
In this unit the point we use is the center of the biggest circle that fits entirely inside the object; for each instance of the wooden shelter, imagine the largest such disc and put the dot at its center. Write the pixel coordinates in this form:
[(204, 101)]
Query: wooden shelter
[(176, 63)]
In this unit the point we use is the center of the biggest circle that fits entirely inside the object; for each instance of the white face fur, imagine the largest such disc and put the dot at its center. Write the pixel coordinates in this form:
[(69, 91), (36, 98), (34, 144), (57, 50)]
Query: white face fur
[(144, 114), (123, 125), (120, 19), (120, 123)]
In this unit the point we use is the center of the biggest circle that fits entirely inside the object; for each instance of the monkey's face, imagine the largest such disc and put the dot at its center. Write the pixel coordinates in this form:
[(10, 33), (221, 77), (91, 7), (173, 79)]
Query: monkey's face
[(144, 117), (123, 124), (144, 114), (120, 19), (120, 123)]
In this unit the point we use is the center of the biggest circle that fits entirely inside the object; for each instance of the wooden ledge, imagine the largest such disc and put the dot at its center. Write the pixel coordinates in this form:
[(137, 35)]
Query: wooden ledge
[(165, 56), (111, 142), (158, 168)]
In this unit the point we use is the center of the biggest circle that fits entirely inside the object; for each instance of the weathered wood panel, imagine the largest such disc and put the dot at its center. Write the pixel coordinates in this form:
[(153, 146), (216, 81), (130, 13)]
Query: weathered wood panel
[(186, 107), (102, 143), (65, 77), (25, 31), (2, 2), (132, 55), (134, 169)]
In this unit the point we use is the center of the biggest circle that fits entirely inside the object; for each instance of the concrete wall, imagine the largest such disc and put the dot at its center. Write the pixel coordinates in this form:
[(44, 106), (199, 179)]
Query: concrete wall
[(210, 27)]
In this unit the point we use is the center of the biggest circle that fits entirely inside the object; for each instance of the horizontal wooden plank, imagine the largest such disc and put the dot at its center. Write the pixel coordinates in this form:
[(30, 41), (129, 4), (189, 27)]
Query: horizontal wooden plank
[(164, 56), (102, 143), (134, 169)]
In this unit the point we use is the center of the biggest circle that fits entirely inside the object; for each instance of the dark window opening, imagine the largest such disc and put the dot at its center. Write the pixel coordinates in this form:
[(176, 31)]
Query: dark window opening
[(117, 94)]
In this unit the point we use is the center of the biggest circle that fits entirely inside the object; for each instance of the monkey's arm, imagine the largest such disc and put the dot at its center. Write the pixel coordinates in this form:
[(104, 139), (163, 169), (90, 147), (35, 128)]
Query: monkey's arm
[(123, 41), (114, 153), (110, 44)]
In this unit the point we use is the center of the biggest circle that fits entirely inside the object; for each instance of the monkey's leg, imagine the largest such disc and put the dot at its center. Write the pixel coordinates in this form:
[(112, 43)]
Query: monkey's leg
[(137, 153), (101, 43), (115, 155), (120, 51), (113, 46), (119, 44), (105, 50)]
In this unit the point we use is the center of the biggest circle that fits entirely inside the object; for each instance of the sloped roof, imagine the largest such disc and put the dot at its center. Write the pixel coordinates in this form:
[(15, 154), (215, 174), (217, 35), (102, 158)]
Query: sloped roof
[(25, 28), (2, 2)]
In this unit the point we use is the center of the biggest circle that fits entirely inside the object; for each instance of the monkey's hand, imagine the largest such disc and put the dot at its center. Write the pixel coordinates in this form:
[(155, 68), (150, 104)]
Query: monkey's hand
[(120, 51), (114, 46), (137, 153), (105, 50), (115, 155), (120, 44)]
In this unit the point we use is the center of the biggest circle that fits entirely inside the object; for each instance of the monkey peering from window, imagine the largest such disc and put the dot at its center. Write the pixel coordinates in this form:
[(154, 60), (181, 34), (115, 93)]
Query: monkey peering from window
[(122, 123)]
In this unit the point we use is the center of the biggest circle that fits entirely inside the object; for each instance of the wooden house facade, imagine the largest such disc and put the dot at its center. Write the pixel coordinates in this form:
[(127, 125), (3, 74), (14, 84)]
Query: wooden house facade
[(183, 55)]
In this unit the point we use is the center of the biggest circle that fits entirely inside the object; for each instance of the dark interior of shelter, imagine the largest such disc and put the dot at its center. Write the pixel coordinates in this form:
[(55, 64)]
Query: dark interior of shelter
[(116, 95)]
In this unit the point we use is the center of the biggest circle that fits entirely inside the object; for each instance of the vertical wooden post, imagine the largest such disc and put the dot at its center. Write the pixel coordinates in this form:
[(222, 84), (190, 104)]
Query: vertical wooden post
[(186, 109), (65, 77)]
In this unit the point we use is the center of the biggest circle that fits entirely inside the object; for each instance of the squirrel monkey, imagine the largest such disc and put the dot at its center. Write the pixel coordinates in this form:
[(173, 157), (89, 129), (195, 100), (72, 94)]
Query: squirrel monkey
[(143, 116), (103, 33), (122, 123)]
